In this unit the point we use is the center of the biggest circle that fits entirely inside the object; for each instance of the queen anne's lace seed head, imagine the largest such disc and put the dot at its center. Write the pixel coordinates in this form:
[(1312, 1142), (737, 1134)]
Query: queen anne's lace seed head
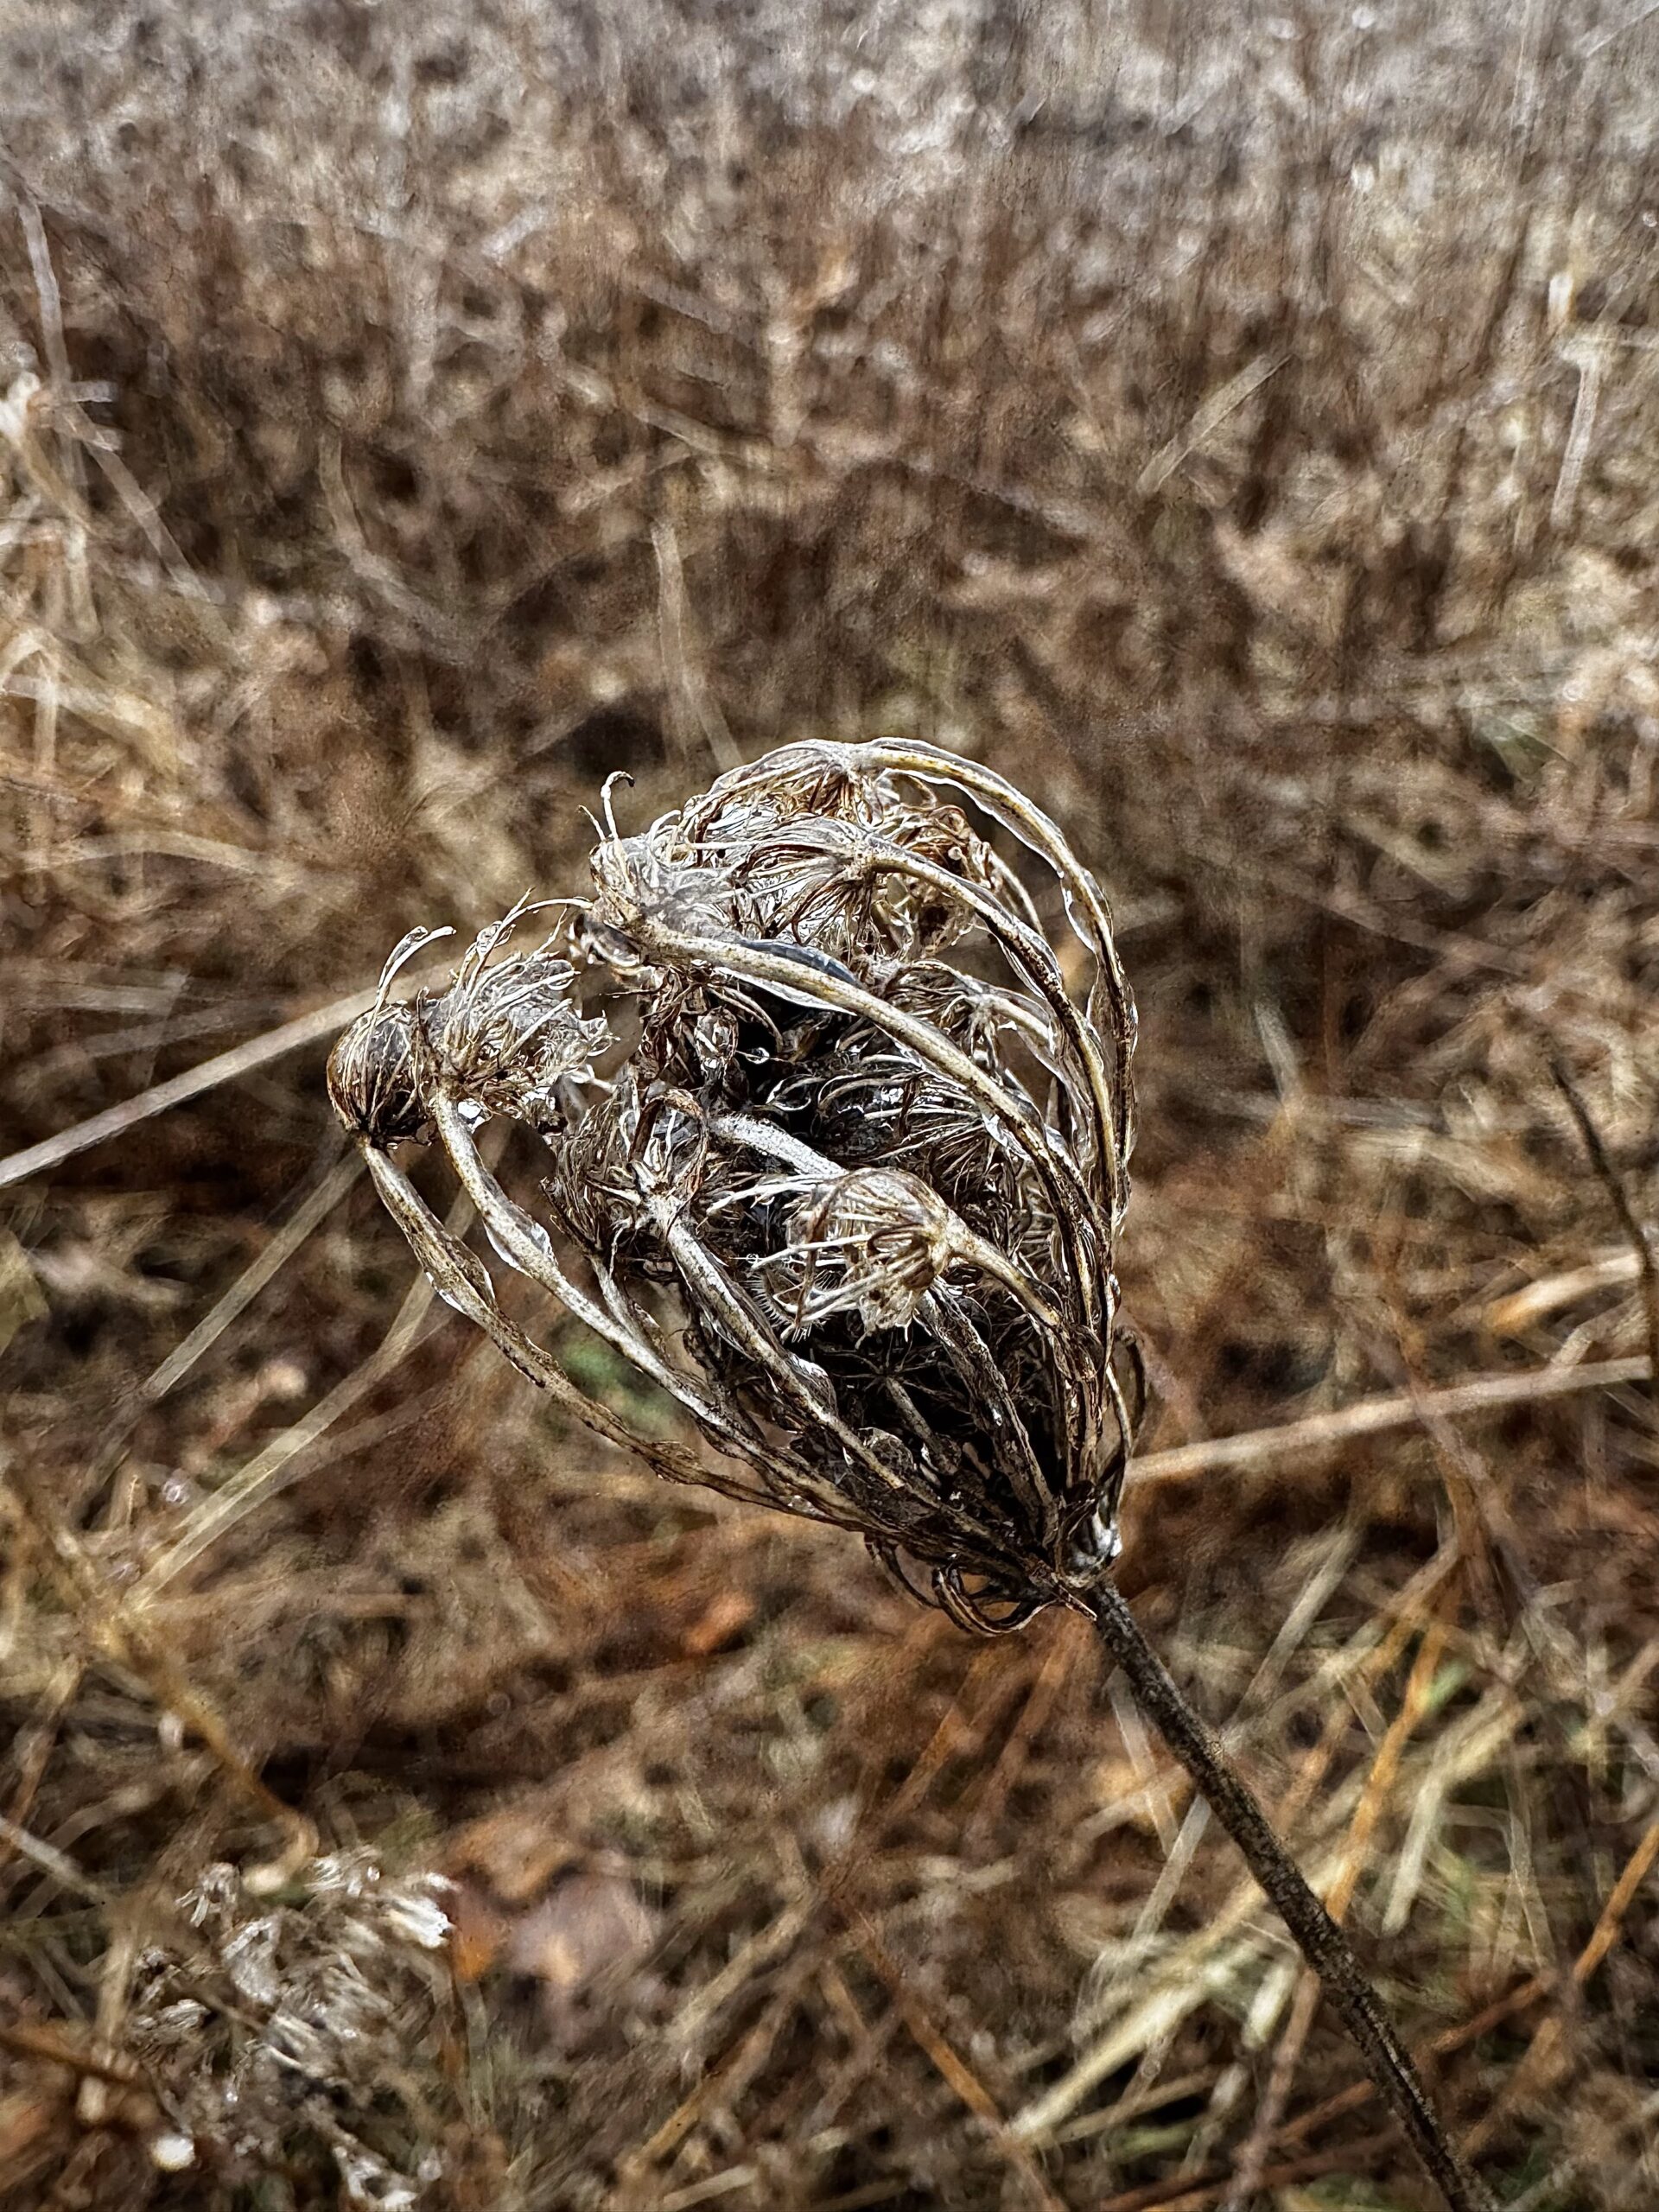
[(851, 1190), (271, 2031), (873, 1243), (373, 1079), (508, 1039)]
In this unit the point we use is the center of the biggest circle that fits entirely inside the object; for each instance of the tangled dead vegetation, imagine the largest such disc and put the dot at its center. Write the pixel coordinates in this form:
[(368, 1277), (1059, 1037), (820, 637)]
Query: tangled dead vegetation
[(1240, 433)]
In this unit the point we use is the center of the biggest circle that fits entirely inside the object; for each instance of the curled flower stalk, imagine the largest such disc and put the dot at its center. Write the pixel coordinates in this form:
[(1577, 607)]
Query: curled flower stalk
[(832, 1137)]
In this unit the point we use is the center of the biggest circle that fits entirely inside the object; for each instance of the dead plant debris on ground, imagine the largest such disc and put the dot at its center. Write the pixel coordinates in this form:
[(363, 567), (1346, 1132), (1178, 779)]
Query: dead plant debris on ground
[(1243, 432)]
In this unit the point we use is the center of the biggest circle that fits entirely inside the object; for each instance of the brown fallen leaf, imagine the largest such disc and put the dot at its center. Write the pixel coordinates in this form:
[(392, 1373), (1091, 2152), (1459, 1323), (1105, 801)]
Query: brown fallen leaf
[(478, 1929), (517, 1851), (721, 1624), (590, 1922)]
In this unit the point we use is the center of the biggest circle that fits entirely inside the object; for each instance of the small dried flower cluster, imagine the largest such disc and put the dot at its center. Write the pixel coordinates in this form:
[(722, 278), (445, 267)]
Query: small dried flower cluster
[(270, 2022), (829, 1151)]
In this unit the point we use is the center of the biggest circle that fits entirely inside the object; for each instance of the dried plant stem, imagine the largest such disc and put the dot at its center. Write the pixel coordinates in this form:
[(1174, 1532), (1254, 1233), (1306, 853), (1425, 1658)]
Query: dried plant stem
[(1319, 1939), (253, 1053), (1379, 1416), (309, 1215), (1613, 1183), (123, 1637), (224, 1067)]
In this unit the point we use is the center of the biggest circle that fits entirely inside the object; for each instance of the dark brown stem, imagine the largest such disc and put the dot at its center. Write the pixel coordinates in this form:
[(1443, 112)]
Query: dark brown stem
[(1612, 1182), (1320, 1941)]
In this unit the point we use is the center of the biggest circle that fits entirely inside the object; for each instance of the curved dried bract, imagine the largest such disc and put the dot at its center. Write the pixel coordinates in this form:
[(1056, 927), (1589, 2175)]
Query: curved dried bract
[(848, 1186)]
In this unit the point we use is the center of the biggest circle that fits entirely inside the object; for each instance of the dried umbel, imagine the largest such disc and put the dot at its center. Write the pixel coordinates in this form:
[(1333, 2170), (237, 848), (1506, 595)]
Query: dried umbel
[(273, 2025), (850, 1184), (830, 1150)]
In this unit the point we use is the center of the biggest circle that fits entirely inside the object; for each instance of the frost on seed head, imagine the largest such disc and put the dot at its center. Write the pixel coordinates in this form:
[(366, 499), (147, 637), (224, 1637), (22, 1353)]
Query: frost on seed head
[(849, 1186)]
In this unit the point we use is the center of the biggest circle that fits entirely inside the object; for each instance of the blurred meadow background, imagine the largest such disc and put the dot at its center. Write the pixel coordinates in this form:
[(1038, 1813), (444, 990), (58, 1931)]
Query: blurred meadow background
[(1241, 428)]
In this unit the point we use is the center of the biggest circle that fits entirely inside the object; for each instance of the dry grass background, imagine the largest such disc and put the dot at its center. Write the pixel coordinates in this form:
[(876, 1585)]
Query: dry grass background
[(1239, 426)]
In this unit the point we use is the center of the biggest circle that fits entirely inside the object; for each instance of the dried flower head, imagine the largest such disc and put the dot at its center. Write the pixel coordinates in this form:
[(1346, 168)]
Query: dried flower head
[(507, 1041), (849, 1187), (277, 2027), (372, 1078)]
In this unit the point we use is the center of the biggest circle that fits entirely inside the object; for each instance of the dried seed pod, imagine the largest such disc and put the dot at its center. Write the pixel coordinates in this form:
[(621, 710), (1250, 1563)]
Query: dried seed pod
[(875, 1242), (374, 1085), (853, 1193), (507, 1039)]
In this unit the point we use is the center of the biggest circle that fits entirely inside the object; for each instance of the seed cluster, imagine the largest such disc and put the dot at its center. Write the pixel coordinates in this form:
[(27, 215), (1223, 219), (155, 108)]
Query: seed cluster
[(269, 2027), (829, 1151)]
